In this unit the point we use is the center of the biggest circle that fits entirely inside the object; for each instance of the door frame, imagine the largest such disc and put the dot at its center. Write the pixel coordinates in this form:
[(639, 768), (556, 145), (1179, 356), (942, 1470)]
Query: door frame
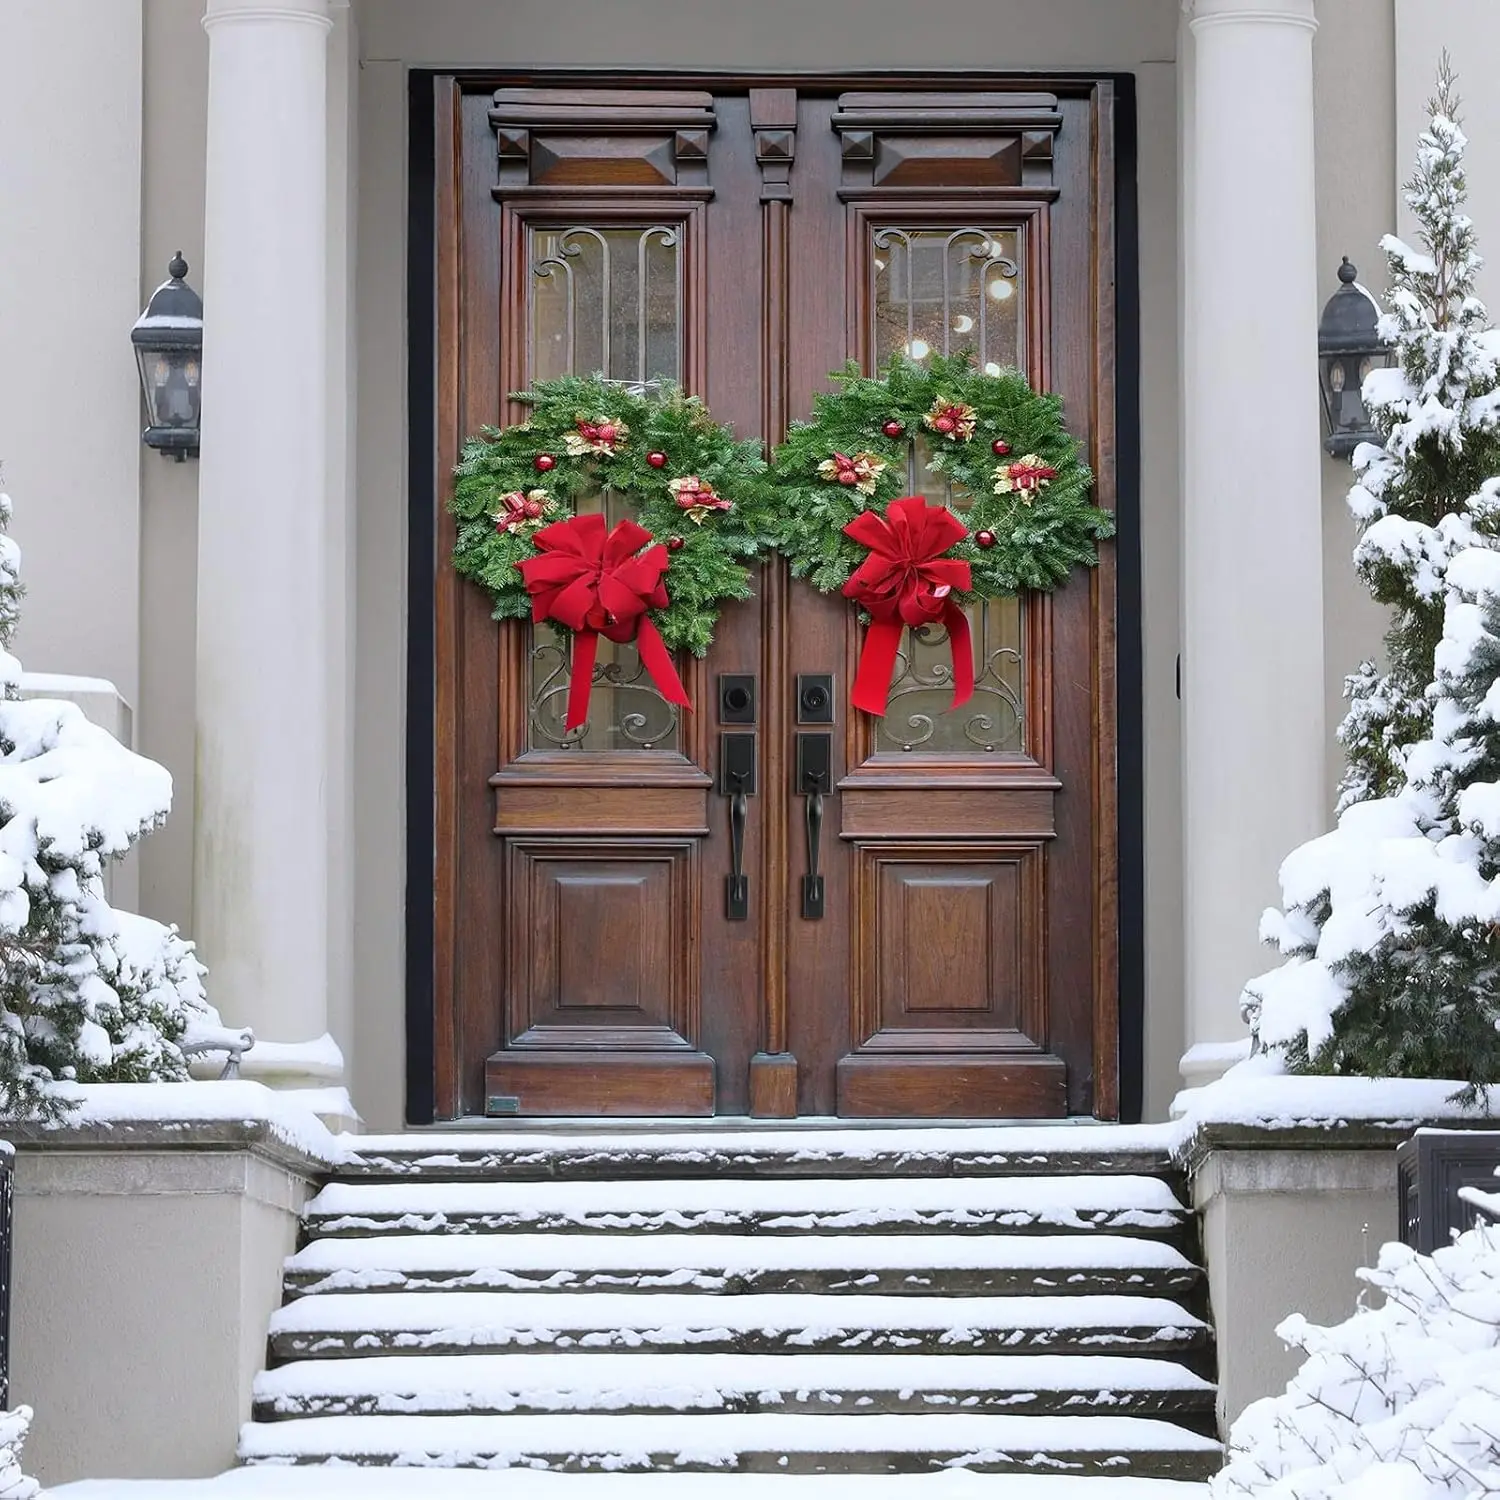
[(426, 974)]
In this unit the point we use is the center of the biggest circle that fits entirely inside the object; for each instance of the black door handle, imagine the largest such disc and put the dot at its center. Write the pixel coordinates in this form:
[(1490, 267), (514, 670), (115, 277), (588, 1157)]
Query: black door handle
[(814, 782), (737, 783)]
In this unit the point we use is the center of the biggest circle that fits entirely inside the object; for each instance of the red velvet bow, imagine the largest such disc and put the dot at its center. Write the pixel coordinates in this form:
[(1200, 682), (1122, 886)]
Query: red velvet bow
[(906, 581), (591, 580)]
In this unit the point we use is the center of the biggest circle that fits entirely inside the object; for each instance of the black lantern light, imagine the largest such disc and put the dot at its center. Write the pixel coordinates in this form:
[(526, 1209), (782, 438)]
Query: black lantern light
[(168, 340), (1349, 348)]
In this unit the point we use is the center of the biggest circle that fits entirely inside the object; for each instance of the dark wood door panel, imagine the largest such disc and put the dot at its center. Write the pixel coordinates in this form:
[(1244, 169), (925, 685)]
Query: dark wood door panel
[(964, 963)]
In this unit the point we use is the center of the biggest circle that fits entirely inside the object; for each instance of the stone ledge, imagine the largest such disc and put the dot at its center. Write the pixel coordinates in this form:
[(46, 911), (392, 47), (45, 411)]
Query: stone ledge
[(258, 1138)]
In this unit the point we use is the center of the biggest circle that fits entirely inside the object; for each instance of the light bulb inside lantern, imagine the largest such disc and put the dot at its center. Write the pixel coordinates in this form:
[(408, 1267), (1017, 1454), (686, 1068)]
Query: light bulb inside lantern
[(1001, 290), (917, 349), (962, 323)]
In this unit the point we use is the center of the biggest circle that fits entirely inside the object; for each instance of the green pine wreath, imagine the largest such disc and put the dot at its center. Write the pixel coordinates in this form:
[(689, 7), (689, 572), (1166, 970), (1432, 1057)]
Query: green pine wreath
[(1031, 521), (693, 486)]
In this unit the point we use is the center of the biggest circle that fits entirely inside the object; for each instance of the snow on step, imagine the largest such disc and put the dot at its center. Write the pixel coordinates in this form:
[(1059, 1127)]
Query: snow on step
[(941, 1150), (717, 1263), (790, 1205), (763, 1442), (499, 1383), (352, 1323)]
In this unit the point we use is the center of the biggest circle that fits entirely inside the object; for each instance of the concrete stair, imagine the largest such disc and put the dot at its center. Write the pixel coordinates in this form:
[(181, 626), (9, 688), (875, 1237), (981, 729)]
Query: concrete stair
[(872, 1302)]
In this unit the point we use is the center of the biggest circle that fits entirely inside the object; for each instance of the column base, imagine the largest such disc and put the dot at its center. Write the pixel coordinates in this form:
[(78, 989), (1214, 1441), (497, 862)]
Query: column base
[(1207, 1062)]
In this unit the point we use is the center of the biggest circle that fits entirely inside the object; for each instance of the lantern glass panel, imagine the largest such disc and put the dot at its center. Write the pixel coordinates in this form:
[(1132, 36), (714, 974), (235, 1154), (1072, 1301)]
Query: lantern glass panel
[(171, 380)]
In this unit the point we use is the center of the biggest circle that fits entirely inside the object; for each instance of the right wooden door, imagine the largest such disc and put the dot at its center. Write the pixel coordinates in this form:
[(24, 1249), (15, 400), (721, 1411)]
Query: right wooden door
[(965, 961)]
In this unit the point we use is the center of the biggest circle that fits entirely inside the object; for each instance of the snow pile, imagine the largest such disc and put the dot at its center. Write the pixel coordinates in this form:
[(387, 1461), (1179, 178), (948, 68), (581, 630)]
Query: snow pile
[(87, 994), (1401, 1402), (14, 1485)]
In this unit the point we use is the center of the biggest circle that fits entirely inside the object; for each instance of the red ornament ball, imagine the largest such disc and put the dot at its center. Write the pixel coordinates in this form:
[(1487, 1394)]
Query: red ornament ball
[(893, 428), (1000, 447), (848, 476), (674, 544), (985, 538), (945, 424), (543, 462), (657, 459)]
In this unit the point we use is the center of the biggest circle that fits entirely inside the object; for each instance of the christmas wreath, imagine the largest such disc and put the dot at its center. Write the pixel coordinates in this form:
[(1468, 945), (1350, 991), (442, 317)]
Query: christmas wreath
[(846, 521), (701, 514)]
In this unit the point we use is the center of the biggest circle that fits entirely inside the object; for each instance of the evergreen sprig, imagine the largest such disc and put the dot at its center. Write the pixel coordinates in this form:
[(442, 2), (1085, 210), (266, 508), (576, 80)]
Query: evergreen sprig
[(1035, 545), (709, 567)]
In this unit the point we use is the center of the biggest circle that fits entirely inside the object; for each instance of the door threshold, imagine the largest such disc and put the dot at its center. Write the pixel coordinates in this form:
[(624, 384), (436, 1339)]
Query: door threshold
[(708, 1124)]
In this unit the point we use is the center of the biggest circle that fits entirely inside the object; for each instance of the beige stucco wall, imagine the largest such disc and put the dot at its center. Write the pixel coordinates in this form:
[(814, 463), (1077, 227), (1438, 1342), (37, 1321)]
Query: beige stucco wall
[(143, 1284), (175, 97), (1359, 164), (70, 228), (1285, 1232)]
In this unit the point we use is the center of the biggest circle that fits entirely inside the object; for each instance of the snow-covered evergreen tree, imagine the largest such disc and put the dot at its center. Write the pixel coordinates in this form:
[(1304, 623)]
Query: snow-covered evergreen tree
[(1400, 1402), (1421, 495), (1391, 923), (87, 994)]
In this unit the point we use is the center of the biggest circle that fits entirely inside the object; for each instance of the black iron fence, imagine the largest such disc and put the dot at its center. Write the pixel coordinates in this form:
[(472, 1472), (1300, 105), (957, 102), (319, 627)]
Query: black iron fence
[(7, 1198), (1432, 1169)]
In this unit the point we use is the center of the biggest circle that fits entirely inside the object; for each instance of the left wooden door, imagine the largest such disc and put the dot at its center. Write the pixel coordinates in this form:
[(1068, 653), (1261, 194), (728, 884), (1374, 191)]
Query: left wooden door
[(583, 948)]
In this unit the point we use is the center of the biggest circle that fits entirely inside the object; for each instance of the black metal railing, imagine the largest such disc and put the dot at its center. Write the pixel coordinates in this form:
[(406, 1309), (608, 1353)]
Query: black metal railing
[(7, 1199), (1432, 1169)]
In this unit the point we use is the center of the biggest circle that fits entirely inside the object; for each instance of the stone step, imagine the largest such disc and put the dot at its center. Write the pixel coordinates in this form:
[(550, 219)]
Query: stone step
[(772, 1151), (342, 1324), (966, 1265), (1134, 1205), (754, 1443), (495, 1384)]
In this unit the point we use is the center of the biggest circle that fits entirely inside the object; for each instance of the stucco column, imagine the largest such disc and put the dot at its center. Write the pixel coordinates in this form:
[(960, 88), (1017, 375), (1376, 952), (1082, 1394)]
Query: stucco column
[(262, 831), (1252, 678)]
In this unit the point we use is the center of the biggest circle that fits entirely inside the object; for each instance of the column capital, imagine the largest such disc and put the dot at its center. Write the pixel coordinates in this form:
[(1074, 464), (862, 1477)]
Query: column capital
[(1203, 14), (295, 12)]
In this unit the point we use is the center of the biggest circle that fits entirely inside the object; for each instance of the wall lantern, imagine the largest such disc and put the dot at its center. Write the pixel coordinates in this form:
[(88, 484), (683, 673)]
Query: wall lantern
[(168, 340), (1349, 348)]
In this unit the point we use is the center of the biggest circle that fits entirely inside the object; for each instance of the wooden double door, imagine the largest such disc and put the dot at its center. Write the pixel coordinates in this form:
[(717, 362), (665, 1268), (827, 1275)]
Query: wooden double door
[(956, 956)]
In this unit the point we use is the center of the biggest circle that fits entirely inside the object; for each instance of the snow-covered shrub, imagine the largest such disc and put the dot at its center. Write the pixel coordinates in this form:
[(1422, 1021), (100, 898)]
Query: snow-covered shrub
[(1401, 1402), (87, 993), (1390, 925), (14, 1485)]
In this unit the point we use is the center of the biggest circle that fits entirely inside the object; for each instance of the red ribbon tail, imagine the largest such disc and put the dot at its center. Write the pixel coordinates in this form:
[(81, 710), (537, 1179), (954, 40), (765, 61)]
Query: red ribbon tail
[(657, 660), (877, 663), (581, 679), (957, 623)]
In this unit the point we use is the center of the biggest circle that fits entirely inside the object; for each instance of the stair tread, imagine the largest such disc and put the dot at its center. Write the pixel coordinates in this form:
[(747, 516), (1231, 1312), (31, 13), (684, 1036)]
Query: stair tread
[(570, 1381), (715, 1436), (618, 1312), (888, 1150), (738, 1254), (791, 1204)]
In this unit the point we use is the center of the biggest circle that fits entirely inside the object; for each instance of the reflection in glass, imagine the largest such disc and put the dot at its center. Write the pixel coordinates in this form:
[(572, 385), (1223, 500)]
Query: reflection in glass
[(941, 290), (606, 301), (947, 290), (602, 301)]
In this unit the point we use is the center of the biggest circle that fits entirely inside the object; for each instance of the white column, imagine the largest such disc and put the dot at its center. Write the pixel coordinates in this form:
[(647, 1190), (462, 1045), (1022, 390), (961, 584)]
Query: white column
[(1253, 709), (262, 834)]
